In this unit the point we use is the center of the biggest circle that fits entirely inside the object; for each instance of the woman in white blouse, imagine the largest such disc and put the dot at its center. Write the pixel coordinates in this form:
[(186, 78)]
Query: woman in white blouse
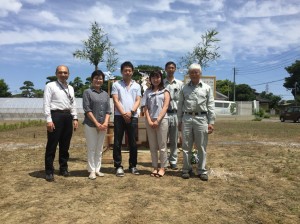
[(156, 100)]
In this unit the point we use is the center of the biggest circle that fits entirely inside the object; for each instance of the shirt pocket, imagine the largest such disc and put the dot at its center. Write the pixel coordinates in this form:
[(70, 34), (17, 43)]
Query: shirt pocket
[(175, 94), (201, 99)]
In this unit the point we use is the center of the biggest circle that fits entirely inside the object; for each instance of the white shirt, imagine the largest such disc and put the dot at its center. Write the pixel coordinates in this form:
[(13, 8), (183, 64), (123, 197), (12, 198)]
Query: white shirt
[(127, 97), (56, 99)]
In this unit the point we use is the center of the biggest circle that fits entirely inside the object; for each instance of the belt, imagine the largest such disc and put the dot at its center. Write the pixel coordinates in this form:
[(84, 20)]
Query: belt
[(171, 111), (195, 113), (61, 111)]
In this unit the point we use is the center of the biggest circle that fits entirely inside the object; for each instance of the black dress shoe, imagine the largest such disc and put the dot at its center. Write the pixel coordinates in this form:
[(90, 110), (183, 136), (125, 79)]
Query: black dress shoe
[(64, 173), (49, 177)]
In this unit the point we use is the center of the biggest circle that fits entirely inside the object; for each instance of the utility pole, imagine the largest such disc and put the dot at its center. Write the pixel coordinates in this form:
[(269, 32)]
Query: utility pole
[(296, 93), (234, 84), (228, 88)]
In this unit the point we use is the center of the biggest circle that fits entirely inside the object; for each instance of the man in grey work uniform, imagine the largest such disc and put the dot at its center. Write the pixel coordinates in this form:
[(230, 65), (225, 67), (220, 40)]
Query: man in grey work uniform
[(196, 118), (174, 86)]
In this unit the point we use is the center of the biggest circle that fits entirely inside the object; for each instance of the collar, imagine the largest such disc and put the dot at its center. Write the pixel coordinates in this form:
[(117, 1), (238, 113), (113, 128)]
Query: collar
[(94, 90), (62, 83), (199, 84), (131, 82), (173, 81)]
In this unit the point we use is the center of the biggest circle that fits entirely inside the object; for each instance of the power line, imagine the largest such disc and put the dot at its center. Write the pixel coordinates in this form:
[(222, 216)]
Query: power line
[(286, 53), (268, 82), (276, 62), (267, 68)]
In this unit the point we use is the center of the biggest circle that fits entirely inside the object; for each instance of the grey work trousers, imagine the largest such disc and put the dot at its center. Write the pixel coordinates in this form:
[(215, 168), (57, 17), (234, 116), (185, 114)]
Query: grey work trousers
[(173, 137), (194, 131)]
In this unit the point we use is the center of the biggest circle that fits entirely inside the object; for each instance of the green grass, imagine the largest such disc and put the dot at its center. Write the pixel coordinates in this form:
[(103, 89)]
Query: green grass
[(20, 125)]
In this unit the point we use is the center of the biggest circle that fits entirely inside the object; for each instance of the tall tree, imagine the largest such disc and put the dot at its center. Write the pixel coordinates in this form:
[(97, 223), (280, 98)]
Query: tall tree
[(27, 89), (245, 93), (95, 46), (4, 89), (225, 87), (78, 86), (292, 82), (204, 52)]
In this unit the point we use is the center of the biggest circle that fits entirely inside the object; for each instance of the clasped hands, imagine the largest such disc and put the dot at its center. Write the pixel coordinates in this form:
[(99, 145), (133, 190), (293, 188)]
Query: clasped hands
[(154, 123), (127, 117), (102, 127)]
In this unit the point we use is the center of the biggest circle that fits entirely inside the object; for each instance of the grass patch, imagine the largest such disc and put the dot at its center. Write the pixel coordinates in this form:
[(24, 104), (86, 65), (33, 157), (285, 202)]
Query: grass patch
[(20, 125)]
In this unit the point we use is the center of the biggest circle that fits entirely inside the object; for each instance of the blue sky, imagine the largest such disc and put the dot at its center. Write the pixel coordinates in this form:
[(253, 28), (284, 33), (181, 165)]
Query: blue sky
[(259, 38)]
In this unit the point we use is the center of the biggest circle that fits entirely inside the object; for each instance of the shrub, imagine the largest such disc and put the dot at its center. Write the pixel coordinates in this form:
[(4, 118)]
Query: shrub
[(260, 113), (257, 118)]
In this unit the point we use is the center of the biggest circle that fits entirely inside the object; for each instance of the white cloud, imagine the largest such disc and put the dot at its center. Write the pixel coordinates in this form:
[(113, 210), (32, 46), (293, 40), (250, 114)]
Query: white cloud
[(161, 5), (157, 34), (167, 26), (48, 17), (36, 35), (258, 38), (268, 8), (34, 2), (104, 14), (7, 6)]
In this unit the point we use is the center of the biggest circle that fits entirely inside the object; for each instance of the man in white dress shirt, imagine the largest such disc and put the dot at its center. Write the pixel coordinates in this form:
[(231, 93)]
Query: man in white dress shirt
[(61, 116)]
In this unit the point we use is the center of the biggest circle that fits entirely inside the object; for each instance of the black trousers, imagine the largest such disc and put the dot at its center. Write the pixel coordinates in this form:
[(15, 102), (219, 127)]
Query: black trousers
[(120, 126), (61, 136)]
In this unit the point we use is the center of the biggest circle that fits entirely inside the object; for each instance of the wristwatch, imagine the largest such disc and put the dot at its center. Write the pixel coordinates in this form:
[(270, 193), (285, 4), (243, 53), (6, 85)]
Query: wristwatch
[(132, 113)]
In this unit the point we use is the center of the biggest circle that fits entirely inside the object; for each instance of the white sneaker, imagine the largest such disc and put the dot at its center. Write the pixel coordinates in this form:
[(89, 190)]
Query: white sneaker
[(92, 175), (99, 174), (120, 172)]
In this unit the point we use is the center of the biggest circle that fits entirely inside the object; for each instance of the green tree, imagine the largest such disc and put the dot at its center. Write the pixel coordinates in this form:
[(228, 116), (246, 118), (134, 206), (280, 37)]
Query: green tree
[(95, 46), (78, 86), (292, 82), (144, 68), (38, 93), (274, 100), (112, 60), (4, 89), (244, 93), (225, 87), (204, 52), (27, 89), (51, 79)]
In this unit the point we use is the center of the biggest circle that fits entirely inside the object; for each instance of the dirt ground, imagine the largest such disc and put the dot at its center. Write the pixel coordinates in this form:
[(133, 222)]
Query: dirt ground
[(253, 178)]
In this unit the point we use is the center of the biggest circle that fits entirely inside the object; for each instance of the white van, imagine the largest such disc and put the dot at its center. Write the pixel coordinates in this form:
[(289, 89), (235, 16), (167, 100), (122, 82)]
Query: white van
[(223, 107)]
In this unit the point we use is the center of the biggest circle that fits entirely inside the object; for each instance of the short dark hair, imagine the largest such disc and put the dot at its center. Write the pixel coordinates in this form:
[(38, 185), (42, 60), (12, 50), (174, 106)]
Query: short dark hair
[(97, 73), (155, 74), (170, 63), (127, 64)]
